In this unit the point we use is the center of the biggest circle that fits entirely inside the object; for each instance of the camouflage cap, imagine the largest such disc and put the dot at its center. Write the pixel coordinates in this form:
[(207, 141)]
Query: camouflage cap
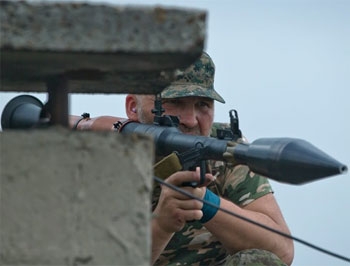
[(196, 80)]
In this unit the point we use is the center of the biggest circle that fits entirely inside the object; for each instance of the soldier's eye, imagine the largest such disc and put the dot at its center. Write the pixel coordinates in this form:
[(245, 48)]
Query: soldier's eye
[(171, 101), (205, 104)]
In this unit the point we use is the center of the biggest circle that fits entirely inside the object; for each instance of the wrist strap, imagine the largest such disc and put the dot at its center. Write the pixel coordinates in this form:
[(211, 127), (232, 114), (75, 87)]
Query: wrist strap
[(208, 210), (83, 116)]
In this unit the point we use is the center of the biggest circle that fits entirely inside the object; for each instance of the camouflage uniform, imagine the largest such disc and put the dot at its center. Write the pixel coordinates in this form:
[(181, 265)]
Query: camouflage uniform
[(254, 257), (194, 244)]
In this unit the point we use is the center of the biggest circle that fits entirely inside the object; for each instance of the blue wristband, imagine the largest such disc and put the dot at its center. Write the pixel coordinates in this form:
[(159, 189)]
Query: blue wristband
[(208, 210)]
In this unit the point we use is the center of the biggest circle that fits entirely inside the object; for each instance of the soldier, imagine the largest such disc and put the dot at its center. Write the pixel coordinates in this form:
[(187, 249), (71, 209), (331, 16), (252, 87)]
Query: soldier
[(186, 231)]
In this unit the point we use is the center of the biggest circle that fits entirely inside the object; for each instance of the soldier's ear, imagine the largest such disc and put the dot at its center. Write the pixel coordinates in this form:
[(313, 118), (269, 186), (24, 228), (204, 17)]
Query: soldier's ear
[(130, 107)]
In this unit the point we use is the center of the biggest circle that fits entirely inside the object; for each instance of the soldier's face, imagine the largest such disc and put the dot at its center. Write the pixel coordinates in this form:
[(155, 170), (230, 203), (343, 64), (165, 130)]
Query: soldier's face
[(196, 114)]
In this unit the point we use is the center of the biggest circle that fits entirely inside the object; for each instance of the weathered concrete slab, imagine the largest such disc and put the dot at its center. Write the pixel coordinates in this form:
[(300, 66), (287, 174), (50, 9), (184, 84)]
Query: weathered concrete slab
[(100, 48), (75, 198)]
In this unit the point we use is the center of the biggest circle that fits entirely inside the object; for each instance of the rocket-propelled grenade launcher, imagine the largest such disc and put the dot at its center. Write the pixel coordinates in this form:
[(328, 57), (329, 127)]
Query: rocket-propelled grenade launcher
[(288, 160)]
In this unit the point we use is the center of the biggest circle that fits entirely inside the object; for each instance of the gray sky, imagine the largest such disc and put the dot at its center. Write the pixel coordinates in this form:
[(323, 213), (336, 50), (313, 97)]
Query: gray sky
[(285, 66)]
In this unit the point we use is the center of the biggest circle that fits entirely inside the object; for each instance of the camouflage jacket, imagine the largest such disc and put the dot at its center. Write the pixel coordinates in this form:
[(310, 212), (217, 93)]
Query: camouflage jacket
[(194, 244)]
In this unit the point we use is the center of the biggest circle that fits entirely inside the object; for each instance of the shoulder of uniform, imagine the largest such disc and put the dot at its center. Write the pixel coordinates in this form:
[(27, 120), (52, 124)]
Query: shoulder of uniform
[(216, 126)]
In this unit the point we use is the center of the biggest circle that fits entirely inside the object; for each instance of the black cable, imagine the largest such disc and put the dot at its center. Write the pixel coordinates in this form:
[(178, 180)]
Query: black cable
[(251, 221)]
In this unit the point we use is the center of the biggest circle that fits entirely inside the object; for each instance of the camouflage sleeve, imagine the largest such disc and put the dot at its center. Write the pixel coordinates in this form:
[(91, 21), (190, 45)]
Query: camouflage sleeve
[(238, 184), (242, 186)]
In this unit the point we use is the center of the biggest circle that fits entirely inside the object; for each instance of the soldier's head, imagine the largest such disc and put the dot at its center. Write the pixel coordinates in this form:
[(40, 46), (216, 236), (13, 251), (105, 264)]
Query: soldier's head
[(190, 97)]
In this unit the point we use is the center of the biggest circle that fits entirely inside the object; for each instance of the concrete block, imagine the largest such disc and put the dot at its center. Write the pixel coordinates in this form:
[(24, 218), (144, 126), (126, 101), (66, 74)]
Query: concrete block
[(101, 48), (75, 198)]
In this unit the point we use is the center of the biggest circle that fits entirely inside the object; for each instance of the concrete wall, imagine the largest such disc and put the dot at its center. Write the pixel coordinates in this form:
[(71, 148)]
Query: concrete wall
[(99, 48), (74, 198), (83, 198)]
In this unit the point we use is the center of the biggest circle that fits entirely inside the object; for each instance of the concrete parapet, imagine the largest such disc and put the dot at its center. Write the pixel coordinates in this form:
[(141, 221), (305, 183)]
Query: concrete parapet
[(99, 48), (84, 198), (75, 198)]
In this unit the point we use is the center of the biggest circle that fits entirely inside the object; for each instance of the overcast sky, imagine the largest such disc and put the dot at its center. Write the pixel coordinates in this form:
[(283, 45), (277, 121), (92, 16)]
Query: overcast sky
[(285, 66)]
